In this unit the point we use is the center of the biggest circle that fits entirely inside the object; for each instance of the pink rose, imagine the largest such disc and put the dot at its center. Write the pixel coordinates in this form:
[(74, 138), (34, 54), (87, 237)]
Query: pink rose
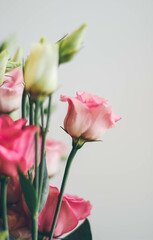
[(88, 116), (17, 143), (55, 150), (72, 210), (11, 91)]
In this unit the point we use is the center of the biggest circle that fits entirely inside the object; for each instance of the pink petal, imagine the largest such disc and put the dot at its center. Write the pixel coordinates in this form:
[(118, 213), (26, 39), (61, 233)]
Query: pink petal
[(101, 121), (90, 99), (72, 210), (79, 206), (9, 161), (78, 118), (16, 145)]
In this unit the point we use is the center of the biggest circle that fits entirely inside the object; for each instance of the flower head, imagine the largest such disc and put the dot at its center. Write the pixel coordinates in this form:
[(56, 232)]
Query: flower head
[(16, 146), (88, 116), (73, 209)]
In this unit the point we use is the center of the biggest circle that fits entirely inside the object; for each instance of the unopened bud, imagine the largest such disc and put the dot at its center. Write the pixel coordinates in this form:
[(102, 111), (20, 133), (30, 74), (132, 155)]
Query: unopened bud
[(40, 71), (70, 45)]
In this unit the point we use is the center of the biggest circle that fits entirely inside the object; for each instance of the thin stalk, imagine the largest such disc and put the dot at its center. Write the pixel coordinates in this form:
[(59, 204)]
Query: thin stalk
[(36, 148), (34, 228), (44, 133), (24, 104), (42, 116), (49, 112), (67, 169), (30, 111), (4, 182), (36, 183)]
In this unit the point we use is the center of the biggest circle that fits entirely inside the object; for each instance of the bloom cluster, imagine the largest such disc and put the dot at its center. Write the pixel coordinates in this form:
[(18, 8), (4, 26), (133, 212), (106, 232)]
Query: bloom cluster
[(31, 206)]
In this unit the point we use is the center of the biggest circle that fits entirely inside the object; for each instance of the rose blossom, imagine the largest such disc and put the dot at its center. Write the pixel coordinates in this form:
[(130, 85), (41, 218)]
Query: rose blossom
[(88, 116), (11, 91), (16, 145), (72, 210), (54, 152)]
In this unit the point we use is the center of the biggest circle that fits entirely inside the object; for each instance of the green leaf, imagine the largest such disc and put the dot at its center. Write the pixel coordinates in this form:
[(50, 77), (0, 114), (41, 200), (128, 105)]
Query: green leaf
[(83, 232), (30, 173), (45, 188), (29, 194)]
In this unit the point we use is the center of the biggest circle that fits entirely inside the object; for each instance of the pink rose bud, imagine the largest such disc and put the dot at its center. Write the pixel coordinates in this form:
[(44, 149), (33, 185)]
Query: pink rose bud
[(73, 209), (17, 143), (88, 116), (11, 91), (55, 150)]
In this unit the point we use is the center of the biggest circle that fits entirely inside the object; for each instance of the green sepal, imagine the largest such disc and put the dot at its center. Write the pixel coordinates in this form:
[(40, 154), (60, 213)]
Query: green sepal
[(83, 232), (18, 56), (43, 40), (29, 194), (62, 38), (11, 65), (8, 43), (4, 56)]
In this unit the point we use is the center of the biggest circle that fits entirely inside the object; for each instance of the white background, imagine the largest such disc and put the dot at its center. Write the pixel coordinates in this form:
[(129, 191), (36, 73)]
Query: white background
[(116, 62)]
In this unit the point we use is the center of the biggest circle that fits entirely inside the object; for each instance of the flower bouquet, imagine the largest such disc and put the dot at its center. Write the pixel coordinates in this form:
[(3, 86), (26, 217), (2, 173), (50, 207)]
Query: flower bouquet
[(31, 207)]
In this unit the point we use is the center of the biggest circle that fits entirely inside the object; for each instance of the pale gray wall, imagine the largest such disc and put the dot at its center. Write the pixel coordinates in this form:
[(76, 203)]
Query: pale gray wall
[(116, 63)]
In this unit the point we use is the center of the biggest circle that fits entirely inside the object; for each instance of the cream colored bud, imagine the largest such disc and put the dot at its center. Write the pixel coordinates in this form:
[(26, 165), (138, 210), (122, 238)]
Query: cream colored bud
[(40, 71), (70, 45)]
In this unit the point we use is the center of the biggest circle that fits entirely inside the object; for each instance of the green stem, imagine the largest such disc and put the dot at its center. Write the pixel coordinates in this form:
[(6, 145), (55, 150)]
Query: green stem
[(67, 169), (24, 104), (44, 134), (4, 181), (36, 182), (30, 111), (36, 148), (49, 112), (34, 228), (42, 116)]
